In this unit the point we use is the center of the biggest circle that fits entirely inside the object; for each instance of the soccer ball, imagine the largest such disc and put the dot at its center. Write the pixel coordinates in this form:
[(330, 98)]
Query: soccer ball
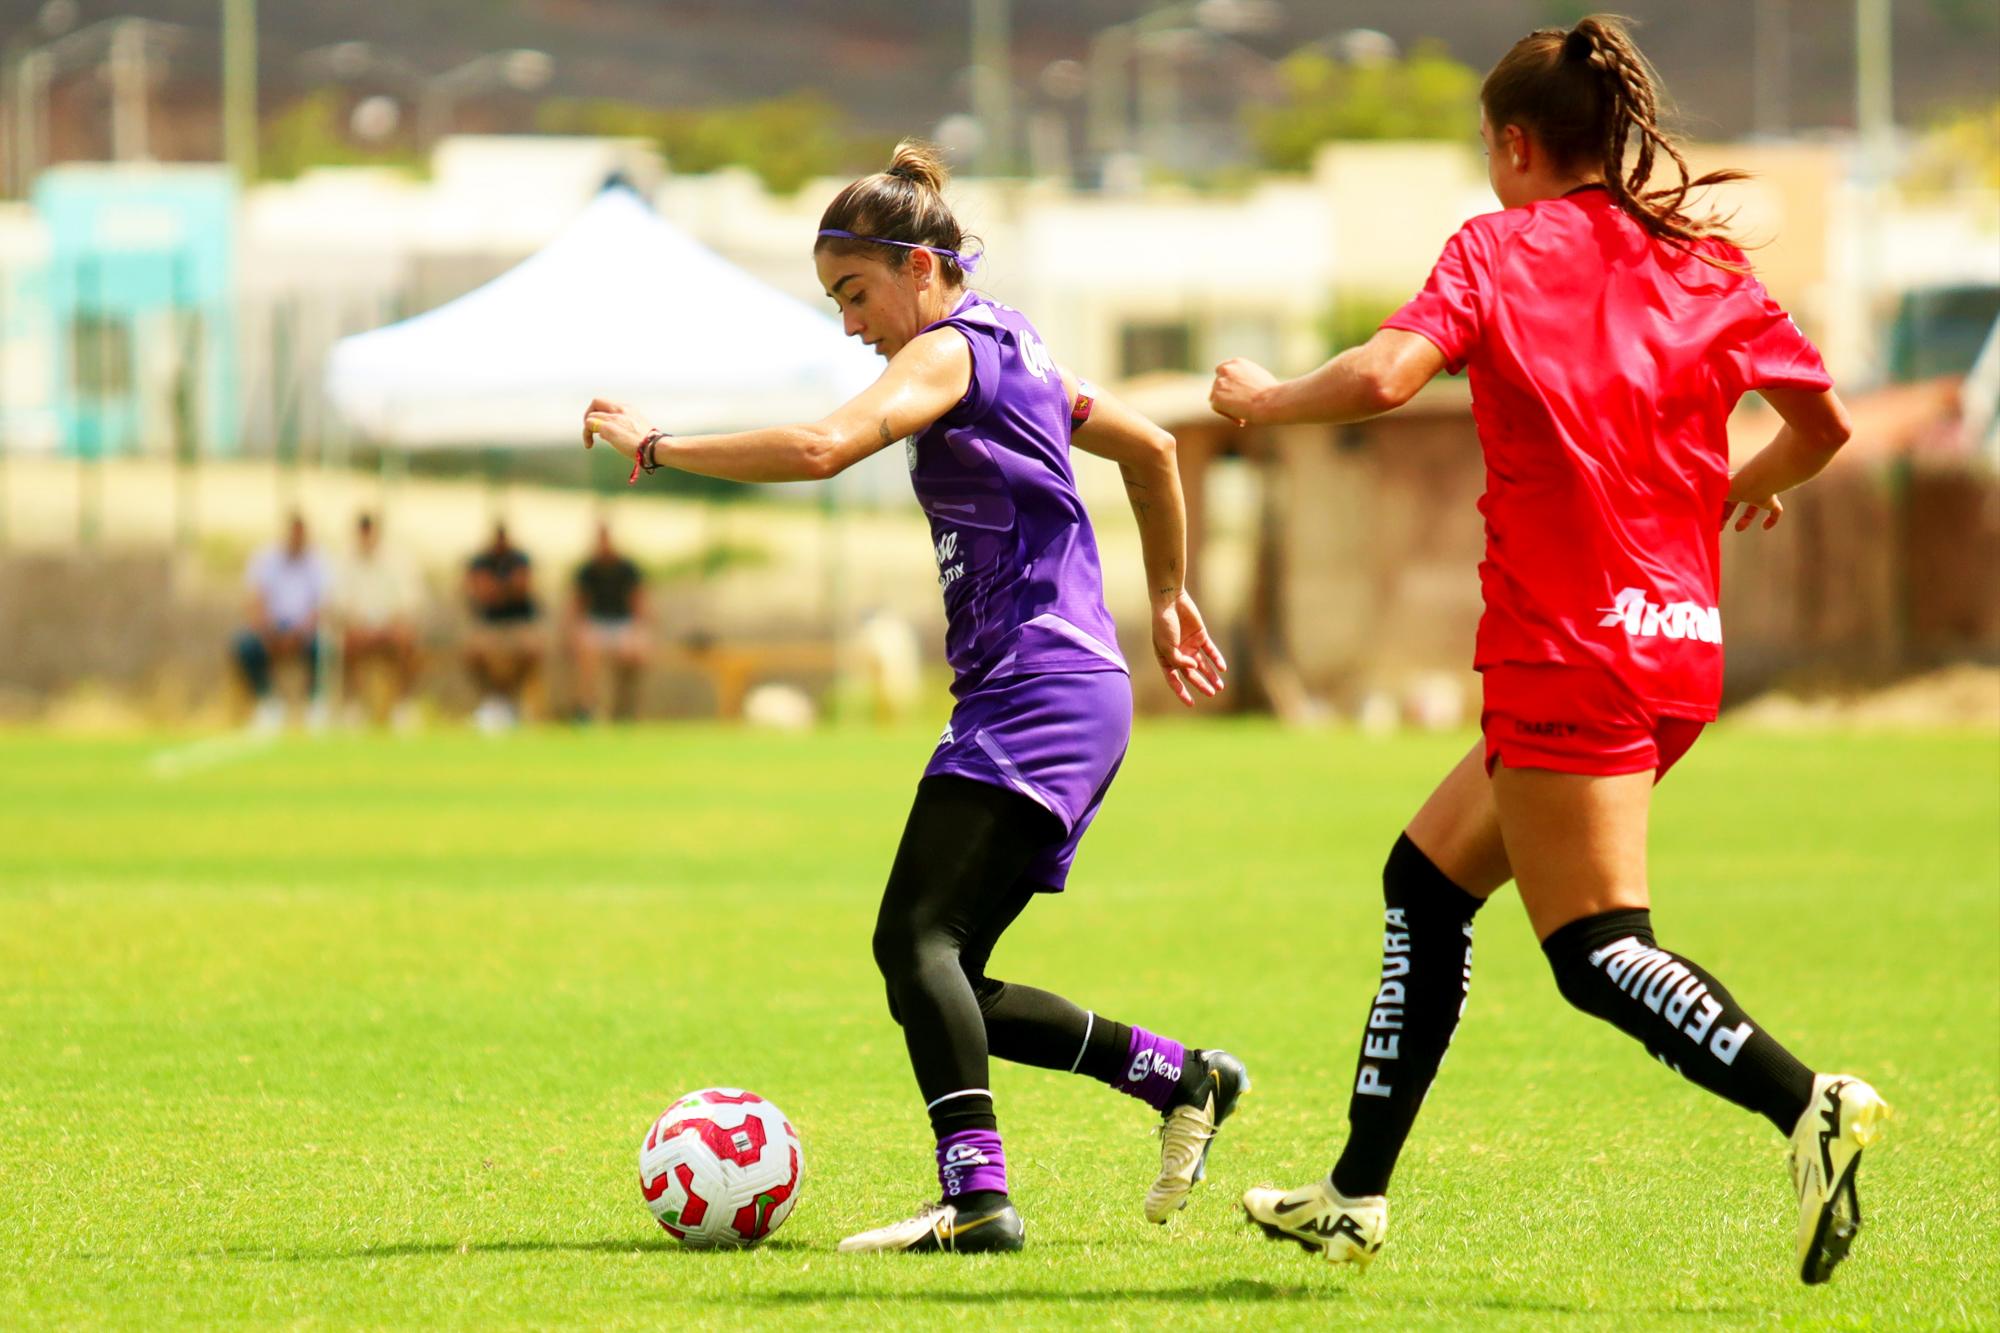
[(720, 1169)]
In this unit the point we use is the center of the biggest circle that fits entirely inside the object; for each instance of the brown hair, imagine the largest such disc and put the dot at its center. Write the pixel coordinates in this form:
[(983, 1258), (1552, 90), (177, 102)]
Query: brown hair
[(904, 203), (1584, 93)]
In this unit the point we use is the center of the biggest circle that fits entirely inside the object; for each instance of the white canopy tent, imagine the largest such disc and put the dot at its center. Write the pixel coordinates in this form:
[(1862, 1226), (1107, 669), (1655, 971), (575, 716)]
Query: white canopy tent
[(621, 304)]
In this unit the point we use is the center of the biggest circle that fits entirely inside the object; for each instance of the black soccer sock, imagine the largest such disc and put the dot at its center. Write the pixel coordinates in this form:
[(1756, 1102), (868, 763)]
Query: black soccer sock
[(1036, 1027), (1027, 1026), (968, 1110), (1426, 972), (1609, 966)]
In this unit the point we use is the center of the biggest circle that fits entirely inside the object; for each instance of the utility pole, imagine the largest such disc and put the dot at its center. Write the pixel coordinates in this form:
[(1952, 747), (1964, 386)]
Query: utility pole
[(993, 84), (1875, 119), (1873, 106), (31, 72), (1771, 69), (129, 92), (239, 87)]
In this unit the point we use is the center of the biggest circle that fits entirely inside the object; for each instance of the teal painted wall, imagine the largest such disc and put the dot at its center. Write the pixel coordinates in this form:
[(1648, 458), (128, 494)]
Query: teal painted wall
[(139, 253)]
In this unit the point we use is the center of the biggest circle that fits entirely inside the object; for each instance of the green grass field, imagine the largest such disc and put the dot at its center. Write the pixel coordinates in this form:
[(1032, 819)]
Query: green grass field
[(366, 1031)]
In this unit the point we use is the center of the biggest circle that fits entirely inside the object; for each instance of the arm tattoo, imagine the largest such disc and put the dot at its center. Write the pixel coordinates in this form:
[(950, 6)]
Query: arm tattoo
[(882, 429)]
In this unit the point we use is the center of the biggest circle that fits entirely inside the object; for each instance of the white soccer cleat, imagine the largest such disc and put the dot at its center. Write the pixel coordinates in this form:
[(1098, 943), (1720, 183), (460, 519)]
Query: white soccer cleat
[(1844, 1116), (948, 1229), (1188, 1129), (1321, 1220)]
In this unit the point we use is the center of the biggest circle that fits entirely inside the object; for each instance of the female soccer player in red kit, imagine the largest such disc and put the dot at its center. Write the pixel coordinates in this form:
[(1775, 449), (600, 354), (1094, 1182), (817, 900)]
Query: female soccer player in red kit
[(1608, 335)]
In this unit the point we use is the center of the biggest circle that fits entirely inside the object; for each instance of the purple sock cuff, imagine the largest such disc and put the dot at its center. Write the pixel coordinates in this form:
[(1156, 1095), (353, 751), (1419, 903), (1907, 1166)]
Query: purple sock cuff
[(1153, 1067), (970, 1160)]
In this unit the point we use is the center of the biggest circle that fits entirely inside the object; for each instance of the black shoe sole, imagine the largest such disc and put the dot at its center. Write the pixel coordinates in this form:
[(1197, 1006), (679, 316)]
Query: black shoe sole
[(1279, 1233), (1839, 1220)]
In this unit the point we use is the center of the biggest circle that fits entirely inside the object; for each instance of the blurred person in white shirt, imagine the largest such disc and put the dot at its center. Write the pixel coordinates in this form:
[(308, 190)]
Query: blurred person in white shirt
[(288, 587), (377, 598)]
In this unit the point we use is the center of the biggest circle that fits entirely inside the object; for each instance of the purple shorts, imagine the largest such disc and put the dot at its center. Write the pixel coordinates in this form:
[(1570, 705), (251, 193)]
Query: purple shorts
[(1057, 740)]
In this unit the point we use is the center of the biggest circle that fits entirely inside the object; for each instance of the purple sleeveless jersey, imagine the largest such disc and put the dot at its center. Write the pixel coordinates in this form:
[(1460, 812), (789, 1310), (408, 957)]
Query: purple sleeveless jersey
[(1017, 560), (1044, 704)]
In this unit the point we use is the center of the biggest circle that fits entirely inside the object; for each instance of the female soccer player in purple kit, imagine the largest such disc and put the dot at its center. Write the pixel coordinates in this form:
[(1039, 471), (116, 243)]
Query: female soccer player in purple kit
[(1044, 701)]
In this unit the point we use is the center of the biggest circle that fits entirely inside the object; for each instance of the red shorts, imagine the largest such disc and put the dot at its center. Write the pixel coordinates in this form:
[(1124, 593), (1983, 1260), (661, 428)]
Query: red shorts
[(1577, 720)]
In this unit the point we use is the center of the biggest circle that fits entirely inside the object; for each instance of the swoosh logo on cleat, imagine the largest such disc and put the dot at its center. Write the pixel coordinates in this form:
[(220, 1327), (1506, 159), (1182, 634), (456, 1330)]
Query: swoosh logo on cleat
[(1830, 1116), (1288, 1205), (952, 1233)]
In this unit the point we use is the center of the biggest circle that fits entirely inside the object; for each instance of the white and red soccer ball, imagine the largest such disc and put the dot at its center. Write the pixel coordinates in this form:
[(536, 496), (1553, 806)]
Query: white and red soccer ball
[(720, 1169)]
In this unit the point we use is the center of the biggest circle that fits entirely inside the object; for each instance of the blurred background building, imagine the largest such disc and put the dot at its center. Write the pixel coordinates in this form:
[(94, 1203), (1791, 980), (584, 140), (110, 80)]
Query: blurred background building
[(206, 197)]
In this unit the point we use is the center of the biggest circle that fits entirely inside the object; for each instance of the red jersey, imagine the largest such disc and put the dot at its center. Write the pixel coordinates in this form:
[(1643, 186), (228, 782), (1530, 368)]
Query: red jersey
[(1604, 366)]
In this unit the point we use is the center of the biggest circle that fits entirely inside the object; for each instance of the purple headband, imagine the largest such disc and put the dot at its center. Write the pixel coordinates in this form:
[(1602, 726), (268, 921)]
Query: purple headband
[(968, 264)]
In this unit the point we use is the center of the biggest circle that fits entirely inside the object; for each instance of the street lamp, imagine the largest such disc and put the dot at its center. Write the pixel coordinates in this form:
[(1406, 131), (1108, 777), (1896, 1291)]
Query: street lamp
[(124, 44), (521, 70), (1113, 51)]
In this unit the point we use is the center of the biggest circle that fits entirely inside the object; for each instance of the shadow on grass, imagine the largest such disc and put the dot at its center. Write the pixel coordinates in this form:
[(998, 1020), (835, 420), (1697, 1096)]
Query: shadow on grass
[(1229, 1289), (404, 1249)]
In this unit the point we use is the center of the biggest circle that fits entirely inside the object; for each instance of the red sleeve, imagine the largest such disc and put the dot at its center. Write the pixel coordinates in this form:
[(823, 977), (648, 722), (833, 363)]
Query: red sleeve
[(1451, 309), (1770, 351)]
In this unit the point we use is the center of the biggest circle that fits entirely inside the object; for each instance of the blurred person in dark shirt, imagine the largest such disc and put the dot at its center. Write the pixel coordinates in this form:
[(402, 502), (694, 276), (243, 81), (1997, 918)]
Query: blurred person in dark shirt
[(504, 650), (607, 622)]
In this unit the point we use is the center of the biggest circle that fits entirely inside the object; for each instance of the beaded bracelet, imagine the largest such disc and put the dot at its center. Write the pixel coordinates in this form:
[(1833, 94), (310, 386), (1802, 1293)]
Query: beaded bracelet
[(645, 457)]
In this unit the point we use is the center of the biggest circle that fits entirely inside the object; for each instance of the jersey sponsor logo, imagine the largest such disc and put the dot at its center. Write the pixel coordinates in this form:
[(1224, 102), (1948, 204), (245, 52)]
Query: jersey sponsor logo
[(948, 738), (1152, 1062), (1036, 358), (1667, 986), (947, 552), (1643, 619), (1559, 729)]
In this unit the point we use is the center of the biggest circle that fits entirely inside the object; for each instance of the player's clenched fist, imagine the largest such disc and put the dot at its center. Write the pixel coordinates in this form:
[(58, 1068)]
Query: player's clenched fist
[(1237, 384)]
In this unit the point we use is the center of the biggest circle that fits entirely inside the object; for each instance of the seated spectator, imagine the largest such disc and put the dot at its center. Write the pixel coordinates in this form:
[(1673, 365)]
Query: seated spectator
[(288, 585), (376, 596), (504, 651), (607, 620)]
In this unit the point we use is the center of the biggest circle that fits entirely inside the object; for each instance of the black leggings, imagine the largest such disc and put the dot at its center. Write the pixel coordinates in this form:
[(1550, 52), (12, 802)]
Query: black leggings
[(957, 884)]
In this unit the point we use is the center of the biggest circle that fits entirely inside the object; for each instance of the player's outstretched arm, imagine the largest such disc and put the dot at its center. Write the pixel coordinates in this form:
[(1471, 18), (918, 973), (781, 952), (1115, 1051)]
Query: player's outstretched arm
[(923, 382), (1378, 376), (1816, 425), (1149, 463)]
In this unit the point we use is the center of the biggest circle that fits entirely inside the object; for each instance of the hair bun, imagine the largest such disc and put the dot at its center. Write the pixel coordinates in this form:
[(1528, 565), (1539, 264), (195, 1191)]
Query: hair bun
[(920, 164)]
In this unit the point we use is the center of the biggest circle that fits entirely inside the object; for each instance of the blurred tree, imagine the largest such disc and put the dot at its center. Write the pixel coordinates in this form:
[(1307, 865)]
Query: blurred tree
[(1968, 15), (1565, 13), (1425, 95), (313, 132), (786, 141), (1960, 151), (1352, 318)]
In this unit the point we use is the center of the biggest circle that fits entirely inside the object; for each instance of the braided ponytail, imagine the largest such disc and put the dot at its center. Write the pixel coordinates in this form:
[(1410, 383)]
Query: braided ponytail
[(1586, 94)]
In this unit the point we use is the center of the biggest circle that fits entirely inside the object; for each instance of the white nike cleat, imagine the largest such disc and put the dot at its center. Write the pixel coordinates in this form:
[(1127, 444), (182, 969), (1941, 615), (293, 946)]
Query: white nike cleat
[(946, 1228), (1189, 1128), (1322, 1220), (1844, 1116)]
